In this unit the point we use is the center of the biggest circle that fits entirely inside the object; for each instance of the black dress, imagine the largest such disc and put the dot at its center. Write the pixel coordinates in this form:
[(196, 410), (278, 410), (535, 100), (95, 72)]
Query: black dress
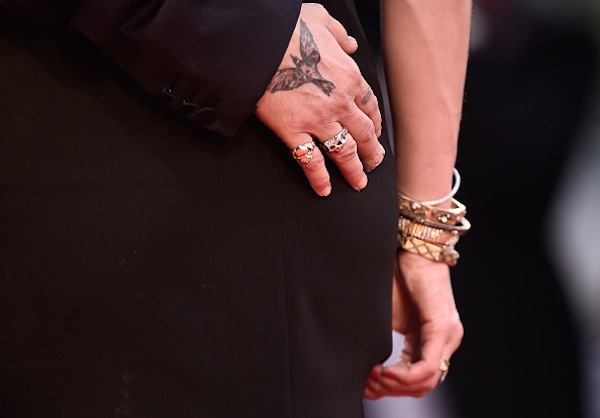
[(152, 266)]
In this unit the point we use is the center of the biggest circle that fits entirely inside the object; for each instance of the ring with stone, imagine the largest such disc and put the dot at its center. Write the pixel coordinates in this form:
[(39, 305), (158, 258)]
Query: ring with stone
[(335, 143), (444, 368), (303, 152)]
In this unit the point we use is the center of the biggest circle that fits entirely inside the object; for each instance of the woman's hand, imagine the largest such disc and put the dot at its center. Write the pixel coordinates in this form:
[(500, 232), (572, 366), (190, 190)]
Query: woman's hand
[(317, 91), (425, 313)]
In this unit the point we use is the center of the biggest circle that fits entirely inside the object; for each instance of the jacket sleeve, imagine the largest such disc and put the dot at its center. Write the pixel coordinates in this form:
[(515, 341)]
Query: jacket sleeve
[(210, 60)]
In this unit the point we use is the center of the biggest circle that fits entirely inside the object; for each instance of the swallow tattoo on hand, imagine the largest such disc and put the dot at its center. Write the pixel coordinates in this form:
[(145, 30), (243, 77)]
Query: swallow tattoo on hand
[(305, 70)]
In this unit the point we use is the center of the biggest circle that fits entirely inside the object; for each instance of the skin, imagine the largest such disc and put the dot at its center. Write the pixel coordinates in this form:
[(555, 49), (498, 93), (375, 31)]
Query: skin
[(300, 111), (425, 44)]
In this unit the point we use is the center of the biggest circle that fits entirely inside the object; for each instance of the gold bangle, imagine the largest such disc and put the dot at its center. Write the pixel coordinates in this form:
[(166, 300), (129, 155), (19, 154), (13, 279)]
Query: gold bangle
[(438, 236), (442, 253), (453, 215), (461, 227)]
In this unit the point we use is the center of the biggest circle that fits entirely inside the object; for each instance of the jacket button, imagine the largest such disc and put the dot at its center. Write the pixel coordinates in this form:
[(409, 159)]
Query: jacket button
[(187, 106), (206, 115), (166, 94)]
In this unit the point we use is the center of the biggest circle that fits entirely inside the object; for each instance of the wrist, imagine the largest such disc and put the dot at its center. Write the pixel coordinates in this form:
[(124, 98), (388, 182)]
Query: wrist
[(432, 228)]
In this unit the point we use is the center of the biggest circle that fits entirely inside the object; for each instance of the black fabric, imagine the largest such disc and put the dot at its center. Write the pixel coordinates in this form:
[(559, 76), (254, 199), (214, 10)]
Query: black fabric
[(151, 268), (212, 57)]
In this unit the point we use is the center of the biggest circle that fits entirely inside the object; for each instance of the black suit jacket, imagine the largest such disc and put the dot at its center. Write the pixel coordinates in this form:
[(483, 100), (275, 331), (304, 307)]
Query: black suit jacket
[(210, 60)]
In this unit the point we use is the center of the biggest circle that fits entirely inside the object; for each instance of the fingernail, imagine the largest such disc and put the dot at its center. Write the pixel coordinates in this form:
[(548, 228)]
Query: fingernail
[(379, 160), (325, 192), (362, 183)]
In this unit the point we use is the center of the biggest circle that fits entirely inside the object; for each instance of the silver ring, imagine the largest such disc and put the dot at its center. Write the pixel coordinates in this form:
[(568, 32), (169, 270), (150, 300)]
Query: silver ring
[(335, 143), (303, 152)]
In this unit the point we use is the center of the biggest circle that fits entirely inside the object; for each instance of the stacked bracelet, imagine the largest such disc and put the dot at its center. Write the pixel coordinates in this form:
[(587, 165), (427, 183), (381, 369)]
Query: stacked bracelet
[(461, 226), (431, 231), (417, 209), (444, 253), (409, 228)]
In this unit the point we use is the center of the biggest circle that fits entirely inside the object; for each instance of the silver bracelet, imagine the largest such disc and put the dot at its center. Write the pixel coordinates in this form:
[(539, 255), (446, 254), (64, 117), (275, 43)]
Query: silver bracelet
[(449, 195)]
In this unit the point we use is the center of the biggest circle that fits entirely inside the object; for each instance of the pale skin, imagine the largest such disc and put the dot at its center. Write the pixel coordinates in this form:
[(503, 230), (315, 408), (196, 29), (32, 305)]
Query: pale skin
[(425, 45), (303, 112)]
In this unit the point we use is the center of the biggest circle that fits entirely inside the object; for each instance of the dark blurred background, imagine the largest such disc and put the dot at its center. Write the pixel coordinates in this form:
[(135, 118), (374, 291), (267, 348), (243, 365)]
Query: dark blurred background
[(527, 285)]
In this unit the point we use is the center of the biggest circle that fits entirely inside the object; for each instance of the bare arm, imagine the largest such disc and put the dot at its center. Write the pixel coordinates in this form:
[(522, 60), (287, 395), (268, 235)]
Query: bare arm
[(425, 44), (425, 48)]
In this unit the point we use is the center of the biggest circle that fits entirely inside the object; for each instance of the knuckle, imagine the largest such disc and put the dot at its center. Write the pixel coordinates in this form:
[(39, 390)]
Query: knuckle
[(460, 330), (459, 333), (375, 101), (432, 369), (367, 132), (353, 71), (322, 10), (348, 152), (316, 164), (373, 105), (316, 8), (324, 117)]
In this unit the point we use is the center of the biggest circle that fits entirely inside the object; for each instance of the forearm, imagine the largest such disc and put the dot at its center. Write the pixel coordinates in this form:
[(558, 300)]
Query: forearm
[(425, 45)]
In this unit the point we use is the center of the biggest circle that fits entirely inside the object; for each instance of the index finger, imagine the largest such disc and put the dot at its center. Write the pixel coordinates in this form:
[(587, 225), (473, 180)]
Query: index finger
[(317, 174), (310, 158)]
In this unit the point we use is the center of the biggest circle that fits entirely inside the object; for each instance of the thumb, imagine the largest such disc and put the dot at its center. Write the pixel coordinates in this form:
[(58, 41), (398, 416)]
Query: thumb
[(348, 43)]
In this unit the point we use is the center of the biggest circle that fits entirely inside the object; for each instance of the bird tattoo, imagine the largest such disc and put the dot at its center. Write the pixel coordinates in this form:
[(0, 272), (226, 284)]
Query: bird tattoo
[(305, 70)]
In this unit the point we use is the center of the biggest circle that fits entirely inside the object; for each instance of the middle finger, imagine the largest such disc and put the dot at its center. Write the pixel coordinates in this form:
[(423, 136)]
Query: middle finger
[(339, 145)]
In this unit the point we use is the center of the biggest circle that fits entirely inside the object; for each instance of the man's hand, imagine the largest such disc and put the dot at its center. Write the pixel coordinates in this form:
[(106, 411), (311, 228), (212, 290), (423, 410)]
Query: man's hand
[(316, 93)]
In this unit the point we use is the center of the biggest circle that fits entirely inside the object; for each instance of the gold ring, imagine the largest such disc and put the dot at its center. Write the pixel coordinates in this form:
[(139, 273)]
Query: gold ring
[(403, 359), (444, 368), (303, 152)]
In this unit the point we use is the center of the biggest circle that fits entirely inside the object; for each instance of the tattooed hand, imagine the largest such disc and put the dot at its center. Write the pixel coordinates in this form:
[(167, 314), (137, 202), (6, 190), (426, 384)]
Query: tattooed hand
[(317, 91)]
